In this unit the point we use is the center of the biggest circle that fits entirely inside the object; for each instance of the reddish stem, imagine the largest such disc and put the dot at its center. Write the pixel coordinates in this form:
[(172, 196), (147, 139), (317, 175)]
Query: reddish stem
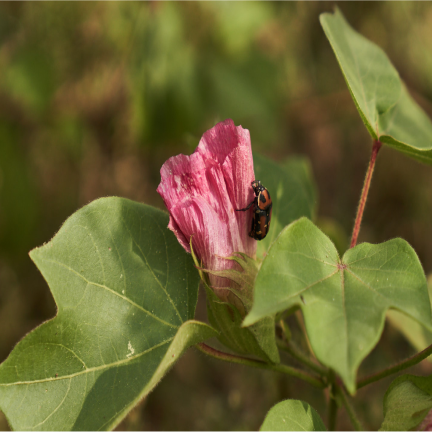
[(364, 194)]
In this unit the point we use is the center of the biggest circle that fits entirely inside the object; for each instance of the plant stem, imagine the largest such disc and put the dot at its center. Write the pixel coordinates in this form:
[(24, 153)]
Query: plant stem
[(299, 318), (291, 348), (260, 364), (295, 352), (298, 354), (345, 399), (285, 330), (364, 194), (404, 364), (332, 410)]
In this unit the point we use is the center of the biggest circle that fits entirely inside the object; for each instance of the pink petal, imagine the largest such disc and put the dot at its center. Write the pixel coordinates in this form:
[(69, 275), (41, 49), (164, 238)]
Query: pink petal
[(203, 191)]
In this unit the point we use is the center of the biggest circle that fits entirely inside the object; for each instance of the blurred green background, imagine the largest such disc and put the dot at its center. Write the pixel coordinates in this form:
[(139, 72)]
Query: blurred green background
[(94, 97)]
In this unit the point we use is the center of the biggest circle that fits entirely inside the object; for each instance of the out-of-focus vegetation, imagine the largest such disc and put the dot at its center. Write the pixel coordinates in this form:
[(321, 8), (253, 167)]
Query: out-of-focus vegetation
[(94, 97)]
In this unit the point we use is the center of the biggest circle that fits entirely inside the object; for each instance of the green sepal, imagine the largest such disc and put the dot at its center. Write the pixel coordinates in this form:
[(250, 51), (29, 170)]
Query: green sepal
[(258, 339), (244, 279)]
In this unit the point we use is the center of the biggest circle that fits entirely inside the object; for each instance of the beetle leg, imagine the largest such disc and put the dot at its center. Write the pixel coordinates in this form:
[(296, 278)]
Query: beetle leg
[(247, 208)]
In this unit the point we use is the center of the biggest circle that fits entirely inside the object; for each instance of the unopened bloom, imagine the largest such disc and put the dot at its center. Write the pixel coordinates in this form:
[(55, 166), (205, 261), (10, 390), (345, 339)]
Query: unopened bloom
[(202, 193)]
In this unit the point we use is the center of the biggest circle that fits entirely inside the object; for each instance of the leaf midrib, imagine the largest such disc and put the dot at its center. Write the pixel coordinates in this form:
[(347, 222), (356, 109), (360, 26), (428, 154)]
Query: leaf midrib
[(93, 369)]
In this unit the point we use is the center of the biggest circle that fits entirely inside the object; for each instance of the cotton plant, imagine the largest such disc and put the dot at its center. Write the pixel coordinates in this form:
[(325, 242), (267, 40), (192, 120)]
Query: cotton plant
[(125, 278)]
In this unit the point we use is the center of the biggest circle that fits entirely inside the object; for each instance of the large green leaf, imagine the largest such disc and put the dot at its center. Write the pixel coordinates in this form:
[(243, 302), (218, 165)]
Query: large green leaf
[(406, 402), (344, 301), (292, 415), (387, 110), (293, 193), (126, 293)]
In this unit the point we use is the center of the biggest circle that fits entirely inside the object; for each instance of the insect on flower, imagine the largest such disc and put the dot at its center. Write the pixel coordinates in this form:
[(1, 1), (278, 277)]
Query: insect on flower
[(201, 192), (262, 211)]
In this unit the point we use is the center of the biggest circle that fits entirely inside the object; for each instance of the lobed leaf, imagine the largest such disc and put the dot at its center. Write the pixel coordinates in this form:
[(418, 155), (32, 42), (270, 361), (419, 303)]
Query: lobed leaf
[(343, 301), (126, 293), (292, 415), (407, 402), (384, 104)]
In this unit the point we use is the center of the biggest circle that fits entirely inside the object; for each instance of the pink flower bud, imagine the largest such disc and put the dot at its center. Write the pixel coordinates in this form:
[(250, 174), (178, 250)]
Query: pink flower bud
[(202, 192)]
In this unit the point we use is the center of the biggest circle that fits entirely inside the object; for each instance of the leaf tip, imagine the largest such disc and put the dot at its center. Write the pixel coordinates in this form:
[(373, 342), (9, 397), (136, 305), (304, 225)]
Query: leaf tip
[(250, 319)]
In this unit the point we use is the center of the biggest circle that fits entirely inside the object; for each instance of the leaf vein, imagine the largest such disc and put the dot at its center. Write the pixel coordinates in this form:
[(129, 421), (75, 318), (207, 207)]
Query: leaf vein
[(151, 270), (111, 291), (310, 286), (58, 406)]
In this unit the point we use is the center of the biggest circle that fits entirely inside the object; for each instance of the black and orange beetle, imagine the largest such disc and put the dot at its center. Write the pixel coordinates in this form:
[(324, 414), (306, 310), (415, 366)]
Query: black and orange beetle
[(262, 211)]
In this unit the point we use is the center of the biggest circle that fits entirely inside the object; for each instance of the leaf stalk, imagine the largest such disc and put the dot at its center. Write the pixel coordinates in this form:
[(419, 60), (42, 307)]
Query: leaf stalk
[(375, 148), (404, 364), (332, 410)]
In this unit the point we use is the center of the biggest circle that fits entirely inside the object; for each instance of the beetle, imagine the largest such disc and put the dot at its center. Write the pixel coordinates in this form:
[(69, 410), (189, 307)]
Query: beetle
[(262, 211)]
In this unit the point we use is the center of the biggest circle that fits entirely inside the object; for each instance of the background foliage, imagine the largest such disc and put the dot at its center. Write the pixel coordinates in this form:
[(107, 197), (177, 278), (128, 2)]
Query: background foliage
[(96, 96)]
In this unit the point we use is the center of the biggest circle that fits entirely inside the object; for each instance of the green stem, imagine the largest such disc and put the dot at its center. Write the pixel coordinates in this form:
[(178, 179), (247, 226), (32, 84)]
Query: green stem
[(364, 194), (346, 402), (332, 411), (288, 370), (285, 330), (291, 348), (404, 364), (295, 352)]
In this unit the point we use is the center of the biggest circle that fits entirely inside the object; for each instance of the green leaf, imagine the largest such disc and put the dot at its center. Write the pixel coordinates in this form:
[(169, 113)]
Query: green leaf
[(406, 402), (343, 301), (387, 110), (293, 193), (292, 415), (126, 292), (419, 337)]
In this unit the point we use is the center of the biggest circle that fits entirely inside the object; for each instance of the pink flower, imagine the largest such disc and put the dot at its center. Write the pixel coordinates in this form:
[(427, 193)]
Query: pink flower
[(202, 192), (426, 424)]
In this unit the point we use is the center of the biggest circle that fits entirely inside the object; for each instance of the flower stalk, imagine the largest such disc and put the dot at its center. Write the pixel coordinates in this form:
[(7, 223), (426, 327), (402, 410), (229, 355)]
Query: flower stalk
[(288, 370)]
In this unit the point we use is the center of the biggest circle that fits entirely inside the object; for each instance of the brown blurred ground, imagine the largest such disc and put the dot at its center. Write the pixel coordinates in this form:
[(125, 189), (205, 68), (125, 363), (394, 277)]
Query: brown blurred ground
[(94, 97)]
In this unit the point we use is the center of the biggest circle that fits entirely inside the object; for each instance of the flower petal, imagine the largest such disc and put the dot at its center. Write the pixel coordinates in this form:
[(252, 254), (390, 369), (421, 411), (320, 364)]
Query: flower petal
[(203, 191)]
